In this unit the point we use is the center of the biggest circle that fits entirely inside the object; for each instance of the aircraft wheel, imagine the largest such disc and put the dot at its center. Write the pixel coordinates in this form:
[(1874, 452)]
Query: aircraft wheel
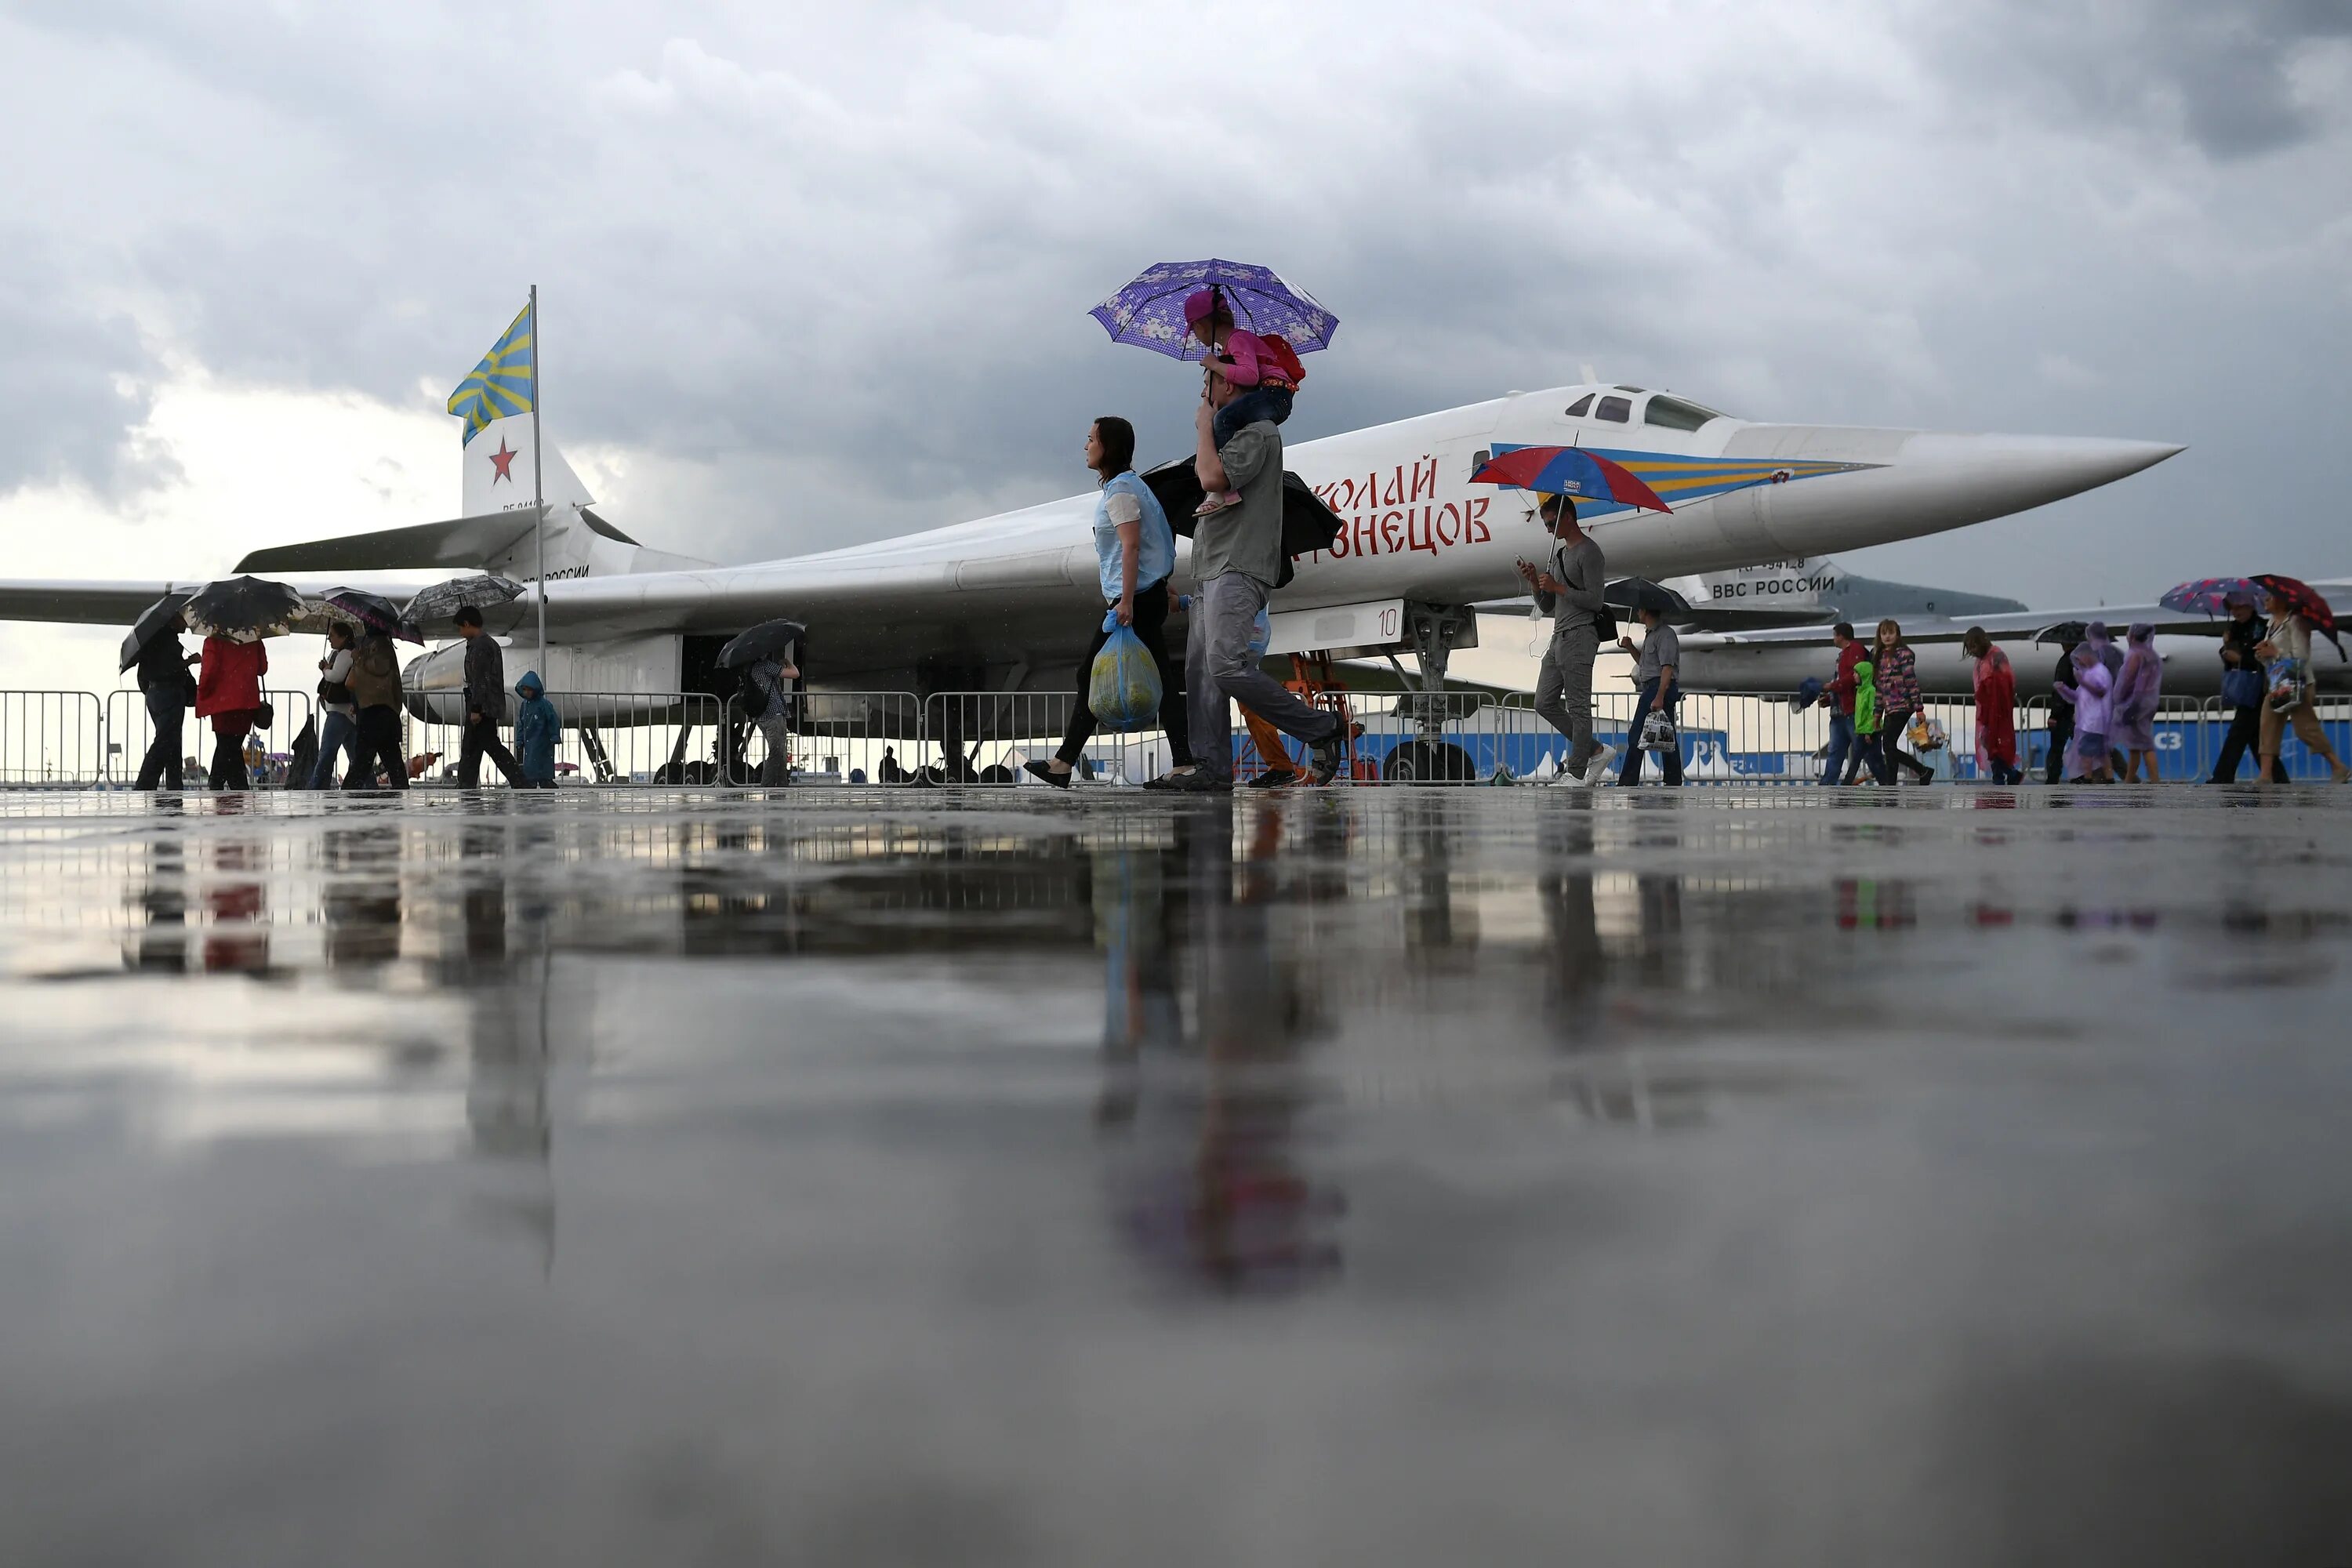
[(996, 774), (1428, 762)]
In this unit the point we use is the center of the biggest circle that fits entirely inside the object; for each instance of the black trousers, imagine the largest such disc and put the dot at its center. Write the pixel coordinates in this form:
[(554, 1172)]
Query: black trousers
[(379, 742), (164, 763), (1891, 724), (2245, 733), (1150, 616), (229, 762), (2061, 735), (481, 739)]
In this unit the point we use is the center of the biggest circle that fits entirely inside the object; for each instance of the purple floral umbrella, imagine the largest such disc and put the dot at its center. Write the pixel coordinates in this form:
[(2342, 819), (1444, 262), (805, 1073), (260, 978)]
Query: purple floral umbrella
[(1149, 311)]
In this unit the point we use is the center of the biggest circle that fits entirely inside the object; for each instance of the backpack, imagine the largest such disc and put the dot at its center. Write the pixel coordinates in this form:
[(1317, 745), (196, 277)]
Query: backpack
[(1284, 357)]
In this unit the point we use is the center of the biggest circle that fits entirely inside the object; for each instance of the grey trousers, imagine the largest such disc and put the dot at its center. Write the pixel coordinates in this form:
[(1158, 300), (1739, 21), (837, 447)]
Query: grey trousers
[(1218, 666), (1564, 692)]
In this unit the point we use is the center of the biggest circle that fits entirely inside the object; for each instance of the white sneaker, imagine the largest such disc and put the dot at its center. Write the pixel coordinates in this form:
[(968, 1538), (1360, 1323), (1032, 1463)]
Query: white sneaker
[(1603, 768)]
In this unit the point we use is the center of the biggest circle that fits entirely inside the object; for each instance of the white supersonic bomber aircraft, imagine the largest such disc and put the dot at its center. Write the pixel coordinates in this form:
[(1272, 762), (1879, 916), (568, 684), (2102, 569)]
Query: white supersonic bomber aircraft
[(1006, 603)]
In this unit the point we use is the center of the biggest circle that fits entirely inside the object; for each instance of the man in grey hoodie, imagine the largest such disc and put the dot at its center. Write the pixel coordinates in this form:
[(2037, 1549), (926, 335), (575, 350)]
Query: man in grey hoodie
[(1567, 587), (485, 701)]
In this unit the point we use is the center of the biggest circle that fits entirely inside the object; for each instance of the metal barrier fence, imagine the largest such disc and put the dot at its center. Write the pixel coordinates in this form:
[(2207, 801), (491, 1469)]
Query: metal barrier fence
[(50, 738), (75, 738), (984, 737), (269, 754), (606, 738), (831, 737)]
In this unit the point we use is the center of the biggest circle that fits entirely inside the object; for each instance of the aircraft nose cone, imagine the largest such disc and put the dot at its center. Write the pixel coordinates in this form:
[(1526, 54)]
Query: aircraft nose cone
[(1912, 483), (2010, 473)]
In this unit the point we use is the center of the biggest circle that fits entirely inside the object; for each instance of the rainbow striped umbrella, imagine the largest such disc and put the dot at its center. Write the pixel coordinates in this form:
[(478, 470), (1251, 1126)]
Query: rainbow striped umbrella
[(1569, 471)]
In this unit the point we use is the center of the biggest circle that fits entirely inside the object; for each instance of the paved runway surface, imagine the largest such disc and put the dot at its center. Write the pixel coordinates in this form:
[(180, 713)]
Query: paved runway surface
[(1933, 1177)]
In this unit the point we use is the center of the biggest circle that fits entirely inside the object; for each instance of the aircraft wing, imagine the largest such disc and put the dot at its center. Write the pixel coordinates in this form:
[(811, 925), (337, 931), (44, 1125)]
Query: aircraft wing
[(456, 543), (117, 603), (101, 604), (2026, 626)]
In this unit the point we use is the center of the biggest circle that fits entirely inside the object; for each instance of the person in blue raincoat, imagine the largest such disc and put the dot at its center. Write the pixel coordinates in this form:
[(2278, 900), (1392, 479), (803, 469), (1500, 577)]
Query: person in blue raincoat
[(537, 726)]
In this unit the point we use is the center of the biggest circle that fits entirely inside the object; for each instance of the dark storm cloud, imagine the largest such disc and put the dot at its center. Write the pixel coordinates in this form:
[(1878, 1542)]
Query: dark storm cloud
[(817, 280), (2219, 76)]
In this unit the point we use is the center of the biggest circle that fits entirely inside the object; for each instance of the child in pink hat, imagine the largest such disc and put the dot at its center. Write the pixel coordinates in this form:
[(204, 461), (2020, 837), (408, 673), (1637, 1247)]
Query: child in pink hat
[(1263, 371)]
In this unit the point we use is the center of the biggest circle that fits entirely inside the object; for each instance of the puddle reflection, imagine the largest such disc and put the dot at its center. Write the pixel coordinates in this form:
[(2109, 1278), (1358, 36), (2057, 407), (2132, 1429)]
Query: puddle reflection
[(1029, 1161)]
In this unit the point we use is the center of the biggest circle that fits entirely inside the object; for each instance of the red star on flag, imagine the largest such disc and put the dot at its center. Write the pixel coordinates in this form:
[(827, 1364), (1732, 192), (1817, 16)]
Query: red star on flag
[(500, 460)]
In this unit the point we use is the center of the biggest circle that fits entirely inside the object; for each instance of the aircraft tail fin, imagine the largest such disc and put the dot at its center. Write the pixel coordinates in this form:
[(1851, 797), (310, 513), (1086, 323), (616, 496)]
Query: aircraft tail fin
[(495, 535)]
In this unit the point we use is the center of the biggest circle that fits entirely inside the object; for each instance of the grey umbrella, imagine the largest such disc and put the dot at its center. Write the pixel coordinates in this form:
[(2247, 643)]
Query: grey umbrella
[(482, 591), (161, 618)]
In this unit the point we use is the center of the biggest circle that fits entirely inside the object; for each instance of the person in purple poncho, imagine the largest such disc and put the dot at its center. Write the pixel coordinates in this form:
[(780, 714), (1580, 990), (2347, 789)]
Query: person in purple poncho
[(2138, 689), (2090, 693)]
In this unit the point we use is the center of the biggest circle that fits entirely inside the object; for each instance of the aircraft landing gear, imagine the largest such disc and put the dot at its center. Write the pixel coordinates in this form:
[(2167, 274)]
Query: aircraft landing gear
[(1434, 631)]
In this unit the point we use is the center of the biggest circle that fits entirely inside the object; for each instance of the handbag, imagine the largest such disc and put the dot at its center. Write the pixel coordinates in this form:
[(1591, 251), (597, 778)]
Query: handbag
[(2241, 688)]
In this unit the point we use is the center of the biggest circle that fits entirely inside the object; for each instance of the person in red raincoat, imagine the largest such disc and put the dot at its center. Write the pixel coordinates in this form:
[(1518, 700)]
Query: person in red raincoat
[(1996, 708), (228, 692)]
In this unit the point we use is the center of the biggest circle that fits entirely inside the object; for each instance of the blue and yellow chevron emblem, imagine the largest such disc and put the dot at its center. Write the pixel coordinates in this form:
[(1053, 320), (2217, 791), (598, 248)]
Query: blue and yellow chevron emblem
[(1680, 480), (501, 383)]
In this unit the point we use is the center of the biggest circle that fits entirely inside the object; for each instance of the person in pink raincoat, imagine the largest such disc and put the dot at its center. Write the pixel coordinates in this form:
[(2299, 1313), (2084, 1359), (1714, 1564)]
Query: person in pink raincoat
[(2138, 690)]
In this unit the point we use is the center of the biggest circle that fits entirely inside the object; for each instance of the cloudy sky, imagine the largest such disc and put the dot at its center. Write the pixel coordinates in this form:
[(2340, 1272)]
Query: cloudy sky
[(817, 274)]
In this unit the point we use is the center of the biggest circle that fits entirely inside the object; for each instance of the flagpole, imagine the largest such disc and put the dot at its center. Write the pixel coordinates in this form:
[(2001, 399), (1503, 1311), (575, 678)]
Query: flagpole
[(538, 480)]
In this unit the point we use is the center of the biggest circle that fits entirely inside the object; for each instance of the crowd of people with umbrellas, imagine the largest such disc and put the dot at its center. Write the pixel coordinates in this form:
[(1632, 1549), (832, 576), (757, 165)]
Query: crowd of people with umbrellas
[(357, 685), (1247, 518)]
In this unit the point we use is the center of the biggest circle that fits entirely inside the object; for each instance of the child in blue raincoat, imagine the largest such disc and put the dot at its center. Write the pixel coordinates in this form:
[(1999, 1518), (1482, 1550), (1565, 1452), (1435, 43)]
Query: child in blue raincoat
[(537, 725)]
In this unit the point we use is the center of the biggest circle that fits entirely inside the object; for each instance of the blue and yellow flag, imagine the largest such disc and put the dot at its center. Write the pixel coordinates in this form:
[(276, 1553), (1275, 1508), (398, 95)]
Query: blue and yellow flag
[(501, 383)]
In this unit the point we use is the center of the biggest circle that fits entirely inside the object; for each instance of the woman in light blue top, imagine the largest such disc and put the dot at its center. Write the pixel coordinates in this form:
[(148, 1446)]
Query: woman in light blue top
[(1137, 551)]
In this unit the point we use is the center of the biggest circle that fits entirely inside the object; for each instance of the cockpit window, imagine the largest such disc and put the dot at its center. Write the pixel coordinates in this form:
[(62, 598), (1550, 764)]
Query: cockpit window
[(1578, 409), (1619, 409), (1673, 414)]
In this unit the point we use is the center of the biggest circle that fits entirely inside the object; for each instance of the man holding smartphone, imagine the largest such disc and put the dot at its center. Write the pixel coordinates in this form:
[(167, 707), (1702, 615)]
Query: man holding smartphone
[(1567, 587)]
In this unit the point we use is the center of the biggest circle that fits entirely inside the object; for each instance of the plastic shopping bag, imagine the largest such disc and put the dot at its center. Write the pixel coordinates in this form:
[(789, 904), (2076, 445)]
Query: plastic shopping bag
[(1658, 731), (1927, 734), (1124, 688)]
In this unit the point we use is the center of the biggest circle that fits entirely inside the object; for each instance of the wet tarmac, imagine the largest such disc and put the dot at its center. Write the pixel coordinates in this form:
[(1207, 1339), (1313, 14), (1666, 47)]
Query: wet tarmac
[(1472, 1176)]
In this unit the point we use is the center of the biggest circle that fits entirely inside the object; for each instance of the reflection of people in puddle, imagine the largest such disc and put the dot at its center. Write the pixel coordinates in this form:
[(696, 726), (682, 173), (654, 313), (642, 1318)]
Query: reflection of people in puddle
[(160, 941), (507, 1042), (236, 932), (484, 901), (1429, 912), (1229, 1208), (1866, 904), (1571, 924), (361, 906)]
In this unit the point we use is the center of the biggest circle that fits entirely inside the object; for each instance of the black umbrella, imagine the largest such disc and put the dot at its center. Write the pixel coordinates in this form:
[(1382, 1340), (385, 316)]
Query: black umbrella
[(1638, 593), (2063, 633), (483, 591), (162, 617), (375, 612), (766, 638), (249, 606), (1307, 525)]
